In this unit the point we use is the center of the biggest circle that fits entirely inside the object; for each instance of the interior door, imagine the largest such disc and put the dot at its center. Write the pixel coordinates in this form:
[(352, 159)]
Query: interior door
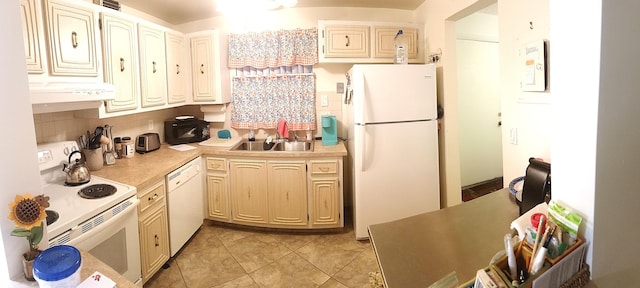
[(479, 111)]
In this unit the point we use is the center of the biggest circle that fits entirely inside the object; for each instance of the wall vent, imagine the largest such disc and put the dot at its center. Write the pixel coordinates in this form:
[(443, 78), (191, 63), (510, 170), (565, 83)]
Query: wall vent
[(115, 5)]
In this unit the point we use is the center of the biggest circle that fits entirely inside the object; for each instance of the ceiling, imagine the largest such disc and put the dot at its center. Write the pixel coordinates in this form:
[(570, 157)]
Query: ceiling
[(179, 12)]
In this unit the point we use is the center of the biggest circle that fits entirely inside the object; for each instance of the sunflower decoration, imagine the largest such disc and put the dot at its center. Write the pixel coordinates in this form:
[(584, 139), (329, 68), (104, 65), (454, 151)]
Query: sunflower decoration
[(28, 212)]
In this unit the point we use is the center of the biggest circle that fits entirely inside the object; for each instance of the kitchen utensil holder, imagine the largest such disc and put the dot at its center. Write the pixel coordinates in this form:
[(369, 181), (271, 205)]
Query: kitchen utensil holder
[(95, 158)]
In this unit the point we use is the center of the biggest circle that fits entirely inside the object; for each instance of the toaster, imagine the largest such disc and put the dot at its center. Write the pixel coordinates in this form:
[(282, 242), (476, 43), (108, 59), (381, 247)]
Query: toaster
[(147, 142)]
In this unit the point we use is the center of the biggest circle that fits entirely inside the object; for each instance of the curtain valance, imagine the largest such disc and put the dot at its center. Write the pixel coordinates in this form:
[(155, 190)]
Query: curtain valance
[(273, 48)]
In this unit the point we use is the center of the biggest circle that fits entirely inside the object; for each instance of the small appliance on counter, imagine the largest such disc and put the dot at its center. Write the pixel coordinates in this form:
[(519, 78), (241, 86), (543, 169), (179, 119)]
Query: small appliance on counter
[(185, 129), (147, 142), (329, 130)]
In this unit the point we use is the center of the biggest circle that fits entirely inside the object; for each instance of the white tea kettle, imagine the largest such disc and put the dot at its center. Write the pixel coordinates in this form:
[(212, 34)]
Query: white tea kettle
[(78, 172)]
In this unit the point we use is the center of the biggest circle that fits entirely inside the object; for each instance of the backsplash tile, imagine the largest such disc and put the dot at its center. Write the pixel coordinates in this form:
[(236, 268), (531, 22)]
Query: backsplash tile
[(64, 126)]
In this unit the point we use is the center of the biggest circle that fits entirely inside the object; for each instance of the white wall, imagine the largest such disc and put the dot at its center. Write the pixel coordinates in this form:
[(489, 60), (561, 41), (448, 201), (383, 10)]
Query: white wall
[(20, 166), (595, 131)]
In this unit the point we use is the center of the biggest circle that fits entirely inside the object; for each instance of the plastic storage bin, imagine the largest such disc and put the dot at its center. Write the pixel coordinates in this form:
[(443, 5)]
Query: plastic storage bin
[(58, 266)]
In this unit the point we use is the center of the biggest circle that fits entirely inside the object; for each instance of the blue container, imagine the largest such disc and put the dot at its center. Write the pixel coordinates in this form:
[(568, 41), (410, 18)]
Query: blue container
[(329, 130), (58, 265)]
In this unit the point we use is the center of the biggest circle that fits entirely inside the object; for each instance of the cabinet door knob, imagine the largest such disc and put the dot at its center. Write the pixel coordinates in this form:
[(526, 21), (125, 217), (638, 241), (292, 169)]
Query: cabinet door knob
[(177, 69), (154, 66), (348, 40), (74, 39), (157, 240), (121, 64), (201, 68)]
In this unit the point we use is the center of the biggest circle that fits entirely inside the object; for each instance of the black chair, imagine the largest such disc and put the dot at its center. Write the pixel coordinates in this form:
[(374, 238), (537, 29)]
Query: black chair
[(537, 185)]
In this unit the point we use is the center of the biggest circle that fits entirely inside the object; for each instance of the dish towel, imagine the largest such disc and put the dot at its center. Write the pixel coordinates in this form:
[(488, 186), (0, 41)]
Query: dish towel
[(283, 128)]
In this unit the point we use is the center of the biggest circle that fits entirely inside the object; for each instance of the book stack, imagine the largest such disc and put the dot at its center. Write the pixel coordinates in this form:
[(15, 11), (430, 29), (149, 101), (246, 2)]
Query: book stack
[(115, 5)]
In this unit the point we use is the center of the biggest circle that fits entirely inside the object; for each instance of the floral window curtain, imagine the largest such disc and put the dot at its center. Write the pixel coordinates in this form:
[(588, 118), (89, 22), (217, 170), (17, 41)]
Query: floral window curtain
[(275, 79), (260, 101), (273, 48)]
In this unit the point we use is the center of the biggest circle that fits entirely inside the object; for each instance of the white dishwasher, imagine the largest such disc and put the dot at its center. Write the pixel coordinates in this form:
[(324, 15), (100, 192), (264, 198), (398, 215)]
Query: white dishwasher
[(185, 187)]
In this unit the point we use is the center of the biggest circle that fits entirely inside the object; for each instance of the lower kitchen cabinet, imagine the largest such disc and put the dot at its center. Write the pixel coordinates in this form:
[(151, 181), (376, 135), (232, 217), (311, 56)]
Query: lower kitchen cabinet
[(325, 193), (154, 229), (217, 189), (295, 192), (287, 191), (248, 191)]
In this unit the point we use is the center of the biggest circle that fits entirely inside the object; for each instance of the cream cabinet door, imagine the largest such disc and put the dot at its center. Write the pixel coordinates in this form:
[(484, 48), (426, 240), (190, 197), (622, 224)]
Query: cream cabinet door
[(31, 29), (218, 189), (154, 238), (153, 226), (287, 190), (176, 65), (210, 75), (384, 41), (346, 41), (119, 46), (248, 191), (153, 66), (218, 197), (71, 40), (325, 193)]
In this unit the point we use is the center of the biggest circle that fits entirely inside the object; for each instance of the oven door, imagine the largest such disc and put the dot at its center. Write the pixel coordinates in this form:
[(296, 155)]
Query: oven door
[(114, 241)]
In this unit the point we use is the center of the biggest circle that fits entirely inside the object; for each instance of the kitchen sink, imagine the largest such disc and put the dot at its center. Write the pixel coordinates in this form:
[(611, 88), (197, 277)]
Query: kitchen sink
[(287, 146), (295, 146), (251, 146)]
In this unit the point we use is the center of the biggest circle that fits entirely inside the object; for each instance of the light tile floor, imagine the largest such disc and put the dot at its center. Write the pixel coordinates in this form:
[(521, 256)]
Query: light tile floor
[(222, 256)]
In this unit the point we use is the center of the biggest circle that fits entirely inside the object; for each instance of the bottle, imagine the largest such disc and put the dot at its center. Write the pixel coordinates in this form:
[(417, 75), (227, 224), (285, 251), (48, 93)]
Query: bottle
[(401, 46), (251, 136)]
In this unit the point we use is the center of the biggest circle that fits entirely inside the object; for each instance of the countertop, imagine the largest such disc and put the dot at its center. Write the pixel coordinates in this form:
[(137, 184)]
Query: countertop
[(418, 251), (89, 265), (144, 169)]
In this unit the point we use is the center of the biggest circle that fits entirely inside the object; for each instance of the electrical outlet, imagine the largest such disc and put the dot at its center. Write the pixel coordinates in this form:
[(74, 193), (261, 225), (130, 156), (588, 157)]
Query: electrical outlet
[(513, 136), (324, 100)]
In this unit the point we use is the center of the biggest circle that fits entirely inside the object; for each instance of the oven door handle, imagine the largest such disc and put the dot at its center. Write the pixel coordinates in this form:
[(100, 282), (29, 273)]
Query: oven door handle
[(104, 225)]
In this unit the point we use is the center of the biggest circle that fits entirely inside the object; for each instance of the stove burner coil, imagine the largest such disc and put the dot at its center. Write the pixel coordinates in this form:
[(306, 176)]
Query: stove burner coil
[(52, 216), (97, 191)]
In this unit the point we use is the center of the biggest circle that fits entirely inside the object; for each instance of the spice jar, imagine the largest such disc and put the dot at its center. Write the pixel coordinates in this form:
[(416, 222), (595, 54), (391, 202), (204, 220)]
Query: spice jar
[(128, 149), (118, 147)]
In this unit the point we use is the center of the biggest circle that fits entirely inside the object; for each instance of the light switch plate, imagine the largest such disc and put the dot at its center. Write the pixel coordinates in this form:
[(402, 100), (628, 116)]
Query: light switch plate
[(339, 87), (324, 100)]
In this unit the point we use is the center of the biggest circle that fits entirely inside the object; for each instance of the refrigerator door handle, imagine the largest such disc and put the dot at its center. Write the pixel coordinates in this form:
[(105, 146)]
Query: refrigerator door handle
[(363, 137)]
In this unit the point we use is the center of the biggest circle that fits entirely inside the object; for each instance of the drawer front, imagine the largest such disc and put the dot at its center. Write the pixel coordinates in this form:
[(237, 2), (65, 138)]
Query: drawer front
[(324, 168), (152, 196), (217, 164)]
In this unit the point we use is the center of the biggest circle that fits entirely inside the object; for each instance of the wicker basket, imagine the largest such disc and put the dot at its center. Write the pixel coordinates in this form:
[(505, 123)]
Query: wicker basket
[(580, 279)]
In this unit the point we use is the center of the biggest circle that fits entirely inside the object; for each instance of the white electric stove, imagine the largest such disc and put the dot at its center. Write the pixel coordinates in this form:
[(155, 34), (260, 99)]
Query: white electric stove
[(102, 226)]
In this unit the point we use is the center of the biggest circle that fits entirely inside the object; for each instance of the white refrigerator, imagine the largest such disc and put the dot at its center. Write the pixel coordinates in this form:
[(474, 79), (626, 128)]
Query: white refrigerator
[(389, 113)]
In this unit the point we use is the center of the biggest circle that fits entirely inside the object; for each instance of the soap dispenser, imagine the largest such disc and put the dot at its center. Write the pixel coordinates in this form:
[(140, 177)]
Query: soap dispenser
[(251, 136)]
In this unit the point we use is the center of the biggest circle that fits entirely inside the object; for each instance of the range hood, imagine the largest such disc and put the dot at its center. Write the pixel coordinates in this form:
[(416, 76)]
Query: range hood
[(55, 97)]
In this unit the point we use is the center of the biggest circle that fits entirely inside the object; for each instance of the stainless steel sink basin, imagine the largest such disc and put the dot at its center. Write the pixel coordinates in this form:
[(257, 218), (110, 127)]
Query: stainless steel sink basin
[(259, 146), (294, 146), (251, 146)]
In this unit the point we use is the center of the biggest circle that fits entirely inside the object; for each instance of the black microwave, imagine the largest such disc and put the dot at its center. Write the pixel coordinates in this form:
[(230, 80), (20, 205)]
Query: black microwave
[(185, 130)]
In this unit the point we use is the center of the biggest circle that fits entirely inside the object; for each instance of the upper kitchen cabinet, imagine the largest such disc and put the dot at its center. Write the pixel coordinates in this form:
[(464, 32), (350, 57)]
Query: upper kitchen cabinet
[(32, 35), (176, 67), (365, 42), (345, 41), (153, 66), (210, 75), (120, 61), (384, 45), (71, 39)]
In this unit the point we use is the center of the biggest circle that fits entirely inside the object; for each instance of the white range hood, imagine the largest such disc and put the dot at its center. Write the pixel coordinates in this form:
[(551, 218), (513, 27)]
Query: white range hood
[(54, 97)]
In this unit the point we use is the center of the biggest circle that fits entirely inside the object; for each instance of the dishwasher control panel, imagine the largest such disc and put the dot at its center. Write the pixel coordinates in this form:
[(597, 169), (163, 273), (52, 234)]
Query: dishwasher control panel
[(184, 173)]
